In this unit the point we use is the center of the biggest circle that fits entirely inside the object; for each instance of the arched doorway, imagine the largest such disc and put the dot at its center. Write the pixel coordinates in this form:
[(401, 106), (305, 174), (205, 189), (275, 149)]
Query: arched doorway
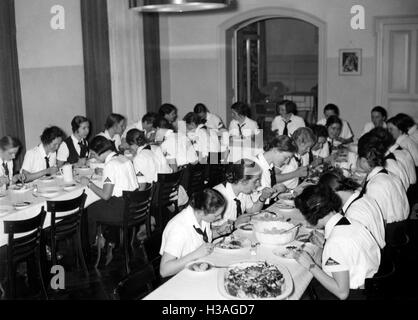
[(228, 92)]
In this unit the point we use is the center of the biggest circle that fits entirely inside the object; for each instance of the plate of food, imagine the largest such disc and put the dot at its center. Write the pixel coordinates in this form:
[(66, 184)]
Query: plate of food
[(284, 206), (199, 266), (19, 188), (70, 186), (288, 251), (48, 192), (267, 216), (287, 198), (231, 244), (47, 178), (4, 210), (258, 280), (21, 205)]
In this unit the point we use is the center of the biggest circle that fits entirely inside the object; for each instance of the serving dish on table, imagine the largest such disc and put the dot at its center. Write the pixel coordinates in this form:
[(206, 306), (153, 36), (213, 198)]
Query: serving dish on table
[(275, 232), (259, 280), (287, 198), (47, 179), (20, 188), (21, 205), (267, 216)]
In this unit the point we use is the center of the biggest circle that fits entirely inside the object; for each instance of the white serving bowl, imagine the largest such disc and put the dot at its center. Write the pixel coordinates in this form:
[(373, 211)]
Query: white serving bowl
[(267, 232)]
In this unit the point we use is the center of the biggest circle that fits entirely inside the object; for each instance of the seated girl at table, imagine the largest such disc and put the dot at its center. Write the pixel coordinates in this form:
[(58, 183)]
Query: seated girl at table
[(210, 120), (9, 147), (148, 124), (400, 134), (386, 189), (241, 126), (356, 206), (242, 179), (204, 141), (297, 168), (346, 135), (169, 112), (118, 176), (350, 254), (144, 159), (397, 162), (188, 235), (75, 149), (287, 121), (379, 116), (408, 124), (115, 125), (41, 160), (321, 148)]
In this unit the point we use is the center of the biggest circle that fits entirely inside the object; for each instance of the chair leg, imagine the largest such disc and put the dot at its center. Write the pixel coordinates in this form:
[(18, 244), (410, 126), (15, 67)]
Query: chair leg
[(133, 238), (11, 294), (126, 249), (80, 253), (41, 280), (99, 249)]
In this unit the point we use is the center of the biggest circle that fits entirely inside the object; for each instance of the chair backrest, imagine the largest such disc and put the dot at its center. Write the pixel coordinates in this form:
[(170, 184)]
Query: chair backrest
[(137, 285), (21, 247), (197, 177), (69, 222), (381, 285), (167, 185), (137, 204)]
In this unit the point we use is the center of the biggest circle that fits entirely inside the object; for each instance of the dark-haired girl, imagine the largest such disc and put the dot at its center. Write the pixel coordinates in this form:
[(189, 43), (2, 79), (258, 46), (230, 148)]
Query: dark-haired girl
[(387, 190), (74, 149), (144, 159), (355, 205), (118, 176), (350, 255), (400, 133), (115, 125), (243, 178), (41, 160), (211, 121), (346, 134), (188, 235), (9, 147), (241, 125), (379, 116), (287, 121)]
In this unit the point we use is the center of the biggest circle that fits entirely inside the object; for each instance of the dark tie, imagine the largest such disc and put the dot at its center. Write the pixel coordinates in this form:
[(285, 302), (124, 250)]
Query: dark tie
[(273, 177), (202, 233), (285, 130), (83, 149), (6, 169), (298, 160), (311, 158), (239, 210), (47, 162), (331, 145), (240, 129)]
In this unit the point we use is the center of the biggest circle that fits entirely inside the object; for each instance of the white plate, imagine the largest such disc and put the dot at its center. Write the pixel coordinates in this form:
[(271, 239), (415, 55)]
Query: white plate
[(288, 282), (46, 194), (4, 210), (21, 205), (245, 245), (47, 179), (70, 186), (207, 266), (284, 206)]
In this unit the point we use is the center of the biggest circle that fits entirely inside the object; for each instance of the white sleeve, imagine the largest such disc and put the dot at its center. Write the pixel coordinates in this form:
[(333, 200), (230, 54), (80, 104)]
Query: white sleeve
[(334, 257), (28, 162), (346, 132), (173, 241), (109, 174), (63, 152)]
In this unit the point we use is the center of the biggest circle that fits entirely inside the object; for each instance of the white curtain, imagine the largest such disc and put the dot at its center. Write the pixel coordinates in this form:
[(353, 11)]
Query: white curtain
[(127, 60)]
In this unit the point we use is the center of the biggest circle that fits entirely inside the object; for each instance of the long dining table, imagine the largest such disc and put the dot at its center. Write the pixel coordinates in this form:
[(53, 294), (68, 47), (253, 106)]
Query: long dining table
[(36, 201), (190, 285)]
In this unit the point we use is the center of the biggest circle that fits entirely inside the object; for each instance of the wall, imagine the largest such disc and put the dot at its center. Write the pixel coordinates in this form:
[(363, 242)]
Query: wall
[(191, 46), (51, 66)]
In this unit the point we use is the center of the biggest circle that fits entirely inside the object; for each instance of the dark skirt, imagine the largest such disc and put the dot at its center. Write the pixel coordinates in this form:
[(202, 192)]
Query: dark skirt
[(104, 211)]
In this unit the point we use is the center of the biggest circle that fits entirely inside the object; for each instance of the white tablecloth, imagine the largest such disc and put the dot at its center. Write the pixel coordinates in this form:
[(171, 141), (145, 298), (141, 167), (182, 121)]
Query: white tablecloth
[(37, 203), (189, 285)]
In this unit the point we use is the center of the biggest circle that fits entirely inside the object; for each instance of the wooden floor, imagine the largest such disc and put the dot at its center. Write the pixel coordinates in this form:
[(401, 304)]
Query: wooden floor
[(100, 284)]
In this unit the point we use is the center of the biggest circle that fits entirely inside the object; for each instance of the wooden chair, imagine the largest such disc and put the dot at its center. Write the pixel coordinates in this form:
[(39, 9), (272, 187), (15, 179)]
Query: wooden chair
[(196, 181), (67, 226), (24, 248), (137, 285), (137, 211), (381, 285), (216, 169), (166, 195)]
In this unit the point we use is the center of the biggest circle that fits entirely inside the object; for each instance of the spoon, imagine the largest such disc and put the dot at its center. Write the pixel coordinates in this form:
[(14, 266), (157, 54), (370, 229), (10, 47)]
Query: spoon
[(296, 226)]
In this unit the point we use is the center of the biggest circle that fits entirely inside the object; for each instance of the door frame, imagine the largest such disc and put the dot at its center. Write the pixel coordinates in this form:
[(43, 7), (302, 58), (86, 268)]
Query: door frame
[(380, 23), (226, 67)]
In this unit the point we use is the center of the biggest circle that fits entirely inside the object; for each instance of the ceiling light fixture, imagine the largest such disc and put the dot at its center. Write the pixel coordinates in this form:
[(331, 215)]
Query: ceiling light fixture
[(177, 5)]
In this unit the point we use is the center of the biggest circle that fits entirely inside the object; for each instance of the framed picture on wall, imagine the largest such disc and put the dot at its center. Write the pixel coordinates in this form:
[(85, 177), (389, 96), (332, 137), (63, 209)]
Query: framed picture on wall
[(350, 62)]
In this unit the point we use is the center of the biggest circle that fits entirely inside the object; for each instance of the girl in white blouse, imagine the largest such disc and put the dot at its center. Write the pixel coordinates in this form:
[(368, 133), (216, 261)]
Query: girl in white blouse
[(241, 126), (188, 235), (115, 125), (408, 125), (9, 147)]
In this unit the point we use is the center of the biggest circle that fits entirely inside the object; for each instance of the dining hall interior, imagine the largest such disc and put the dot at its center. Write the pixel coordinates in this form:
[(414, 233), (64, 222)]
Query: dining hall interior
[(171, 149)]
